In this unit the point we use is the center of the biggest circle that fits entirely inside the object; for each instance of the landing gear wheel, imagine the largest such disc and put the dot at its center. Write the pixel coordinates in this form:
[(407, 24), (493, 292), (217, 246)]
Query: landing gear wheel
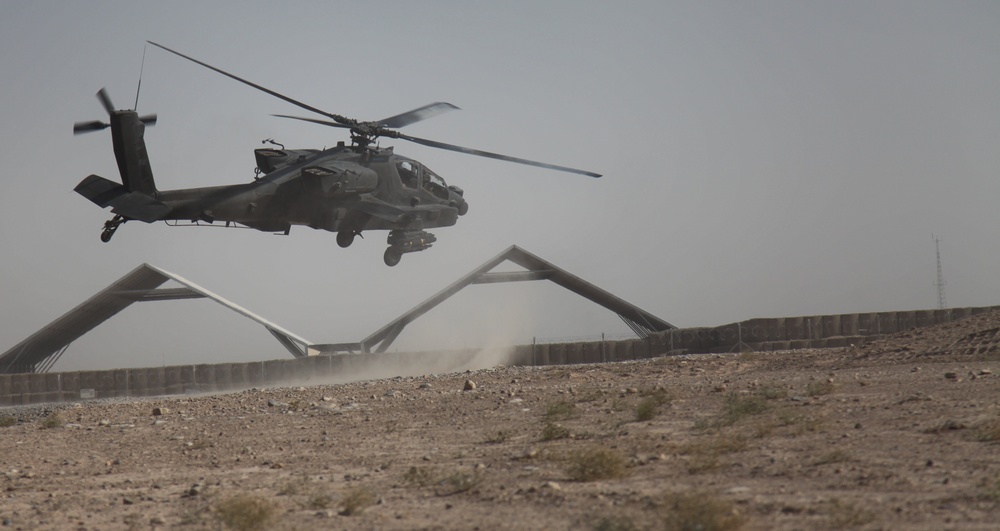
[(392, 256), (110, 226), (345, 238)]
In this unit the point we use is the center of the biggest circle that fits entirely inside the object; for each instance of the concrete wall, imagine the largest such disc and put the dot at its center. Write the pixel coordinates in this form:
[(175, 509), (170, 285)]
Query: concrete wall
[(781, 333)]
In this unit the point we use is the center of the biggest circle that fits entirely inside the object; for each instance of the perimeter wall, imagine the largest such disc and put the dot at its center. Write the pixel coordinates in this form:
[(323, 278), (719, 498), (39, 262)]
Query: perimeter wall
[(783, 333)]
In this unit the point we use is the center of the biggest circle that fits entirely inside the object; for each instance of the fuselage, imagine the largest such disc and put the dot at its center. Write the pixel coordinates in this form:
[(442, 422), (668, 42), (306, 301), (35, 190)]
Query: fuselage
[(334, 189)]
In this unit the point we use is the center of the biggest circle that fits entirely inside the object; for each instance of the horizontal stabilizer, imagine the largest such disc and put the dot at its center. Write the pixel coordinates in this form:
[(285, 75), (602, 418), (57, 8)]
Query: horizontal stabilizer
[(132, 205)]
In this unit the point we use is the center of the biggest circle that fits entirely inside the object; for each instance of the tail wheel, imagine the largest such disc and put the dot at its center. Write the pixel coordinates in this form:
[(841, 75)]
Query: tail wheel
[(392, 256)]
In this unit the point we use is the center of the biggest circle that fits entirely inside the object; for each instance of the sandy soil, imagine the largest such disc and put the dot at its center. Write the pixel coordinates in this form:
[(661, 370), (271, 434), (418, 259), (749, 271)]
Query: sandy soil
[(901, 433)]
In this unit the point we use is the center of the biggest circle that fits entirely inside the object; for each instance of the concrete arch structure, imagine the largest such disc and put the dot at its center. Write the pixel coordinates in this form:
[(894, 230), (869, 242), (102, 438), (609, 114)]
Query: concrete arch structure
[(42, 349), (638, 320)]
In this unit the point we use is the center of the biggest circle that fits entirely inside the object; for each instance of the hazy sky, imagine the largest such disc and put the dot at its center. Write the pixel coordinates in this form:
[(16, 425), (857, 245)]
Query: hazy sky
[(769, 158)]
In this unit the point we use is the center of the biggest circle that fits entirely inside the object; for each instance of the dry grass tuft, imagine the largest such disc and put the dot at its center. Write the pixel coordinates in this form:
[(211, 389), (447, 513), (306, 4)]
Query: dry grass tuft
[(614, 523), (561, 410), (701, 511), (739, 407), (552, 431), (705, 456), (836, 456), (595, 463), (988, 431), (245, 513), (848, 516), (53, 420), (356, 501), (819, 388)]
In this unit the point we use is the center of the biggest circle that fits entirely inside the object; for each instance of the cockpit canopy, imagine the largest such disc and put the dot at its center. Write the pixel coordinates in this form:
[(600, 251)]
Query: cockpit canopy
[(414, 175)]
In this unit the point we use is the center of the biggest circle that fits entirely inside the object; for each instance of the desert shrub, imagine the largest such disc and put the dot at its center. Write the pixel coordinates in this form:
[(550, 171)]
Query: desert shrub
[(988, 431), (772, 392), (704, 456), (594, 464), (848, 516), (356, 501), (561, 410), (552, 431), (701, 511), (319, 501), (419, 477), (53, 420), (646, 409), (649, 406), (818, 388), (613, 523), (498, 437), (245, 513), (739, 407), (7, 421), (836, 456), (800, 423), (456, 482)]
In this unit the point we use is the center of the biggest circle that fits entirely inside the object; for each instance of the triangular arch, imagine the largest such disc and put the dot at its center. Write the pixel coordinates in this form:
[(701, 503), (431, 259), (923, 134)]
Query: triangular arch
[(638, 320), (42, 349)]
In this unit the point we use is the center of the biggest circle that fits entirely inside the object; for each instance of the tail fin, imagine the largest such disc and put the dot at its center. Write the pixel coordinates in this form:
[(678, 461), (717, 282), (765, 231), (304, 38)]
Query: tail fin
[(133, 162)]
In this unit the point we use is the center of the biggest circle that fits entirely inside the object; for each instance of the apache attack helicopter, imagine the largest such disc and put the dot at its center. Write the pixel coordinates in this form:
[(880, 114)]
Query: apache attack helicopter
[(346, 189)]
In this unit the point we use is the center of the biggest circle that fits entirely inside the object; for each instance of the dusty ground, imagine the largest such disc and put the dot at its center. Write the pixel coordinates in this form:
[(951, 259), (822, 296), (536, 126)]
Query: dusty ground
[(902, 433)]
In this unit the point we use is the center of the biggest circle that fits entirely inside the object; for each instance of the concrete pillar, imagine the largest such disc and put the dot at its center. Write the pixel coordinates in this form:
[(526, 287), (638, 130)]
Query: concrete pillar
[(590, 353), (255, 373), (831, 325), (173, 382), (274, 372), (138, 382), (756, 330), (156, 381), (557, 354), (849, 324), (239, 375), (795, 328), (925, 318), (69, 382), (121, 378), (53, 387), (105, 384), (776, 329), (37, 389), (205, 378), (906, 320)]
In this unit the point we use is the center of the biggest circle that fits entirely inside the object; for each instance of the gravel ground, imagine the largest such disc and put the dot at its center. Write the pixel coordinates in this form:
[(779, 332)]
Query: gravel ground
[(900, 433)]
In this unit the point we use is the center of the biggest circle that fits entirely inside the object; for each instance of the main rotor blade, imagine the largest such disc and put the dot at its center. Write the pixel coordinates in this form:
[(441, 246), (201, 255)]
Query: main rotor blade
[(487, 154), (336, 117), (106, 101), (313, 120), (421, 113)]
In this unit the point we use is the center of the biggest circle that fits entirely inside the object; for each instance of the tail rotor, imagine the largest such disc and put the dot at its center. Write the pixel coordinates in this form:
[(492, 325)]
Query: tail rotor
[(97, 125)]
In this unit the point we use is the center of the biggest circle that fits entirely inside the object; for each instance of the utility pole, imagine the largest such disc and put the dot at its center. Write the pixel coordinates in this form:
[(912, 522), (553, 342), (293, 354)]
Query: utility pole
[(940, 274)]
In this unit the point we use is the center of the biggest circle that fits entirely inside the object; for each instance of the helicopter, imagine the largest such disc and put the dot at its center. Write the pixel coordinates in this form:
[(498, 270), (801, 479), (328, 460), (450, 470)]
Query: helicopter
[(347, 189)]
